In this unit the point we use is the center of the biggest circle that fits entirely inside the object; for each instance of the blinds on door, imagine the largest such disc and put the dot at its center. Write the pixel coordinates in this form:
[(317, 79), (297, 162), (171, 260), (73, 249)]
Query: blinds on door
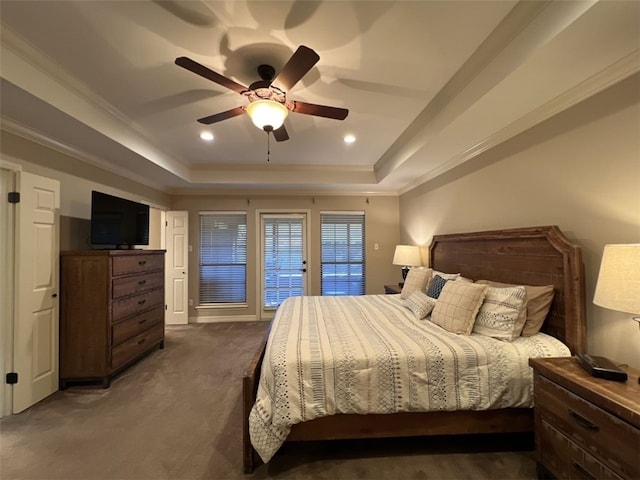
[(223, 257), (283, 259), (342, 253)]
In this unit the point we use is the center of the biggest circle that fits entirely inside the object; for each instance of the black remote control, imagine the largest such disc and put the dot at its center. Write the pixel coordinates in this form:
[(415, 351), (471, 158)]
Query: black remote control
[(602, 367)]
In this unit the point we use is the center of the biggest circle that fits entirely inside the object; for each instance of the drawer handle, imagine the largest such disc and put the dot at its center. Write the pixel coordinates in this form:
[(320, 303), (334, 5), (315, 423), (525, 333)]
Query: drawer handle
[(140, 322), (140, 342), (141, 262), (141, 302), (583, 471), (142, 282), (583, 422)]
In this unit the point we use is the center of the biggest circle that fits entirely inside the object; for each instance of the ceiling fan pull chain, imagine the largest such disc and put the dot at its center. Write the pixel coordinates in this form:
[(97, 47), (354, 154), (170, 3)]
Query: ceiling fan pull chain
[(268, 147)]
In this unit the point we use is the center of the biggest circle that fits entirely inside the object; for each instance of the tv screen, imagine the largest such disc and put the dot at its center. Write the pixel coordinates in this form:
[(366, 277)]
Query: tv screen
[(117, 222)]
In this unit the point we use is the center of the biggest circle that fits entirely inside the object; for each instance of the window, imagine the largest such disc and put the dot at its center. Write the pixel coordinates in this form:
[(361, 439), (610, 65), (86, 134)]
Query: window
[(342, 253), (223, 257)]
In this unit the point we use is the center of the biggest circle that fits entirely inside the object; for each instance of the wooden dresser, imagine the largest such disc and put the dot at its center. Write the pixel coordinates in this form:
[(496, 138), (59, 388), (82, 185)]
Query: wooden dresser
[(586, 427), (111, 311)]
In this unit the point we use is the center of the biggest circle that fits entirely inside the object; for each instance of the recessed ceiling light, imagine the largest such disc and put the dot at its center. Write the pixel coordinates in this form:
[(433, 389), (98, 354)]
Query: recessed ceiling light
[(208, 136), (349, 139)]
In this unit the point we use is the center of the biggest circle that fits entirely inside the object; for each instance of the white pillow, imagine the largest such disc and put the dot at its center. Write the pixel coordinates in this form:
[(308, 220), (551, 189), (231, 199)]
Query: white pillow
[(420, 304), (458, 305), (503, 313), (417, 279)]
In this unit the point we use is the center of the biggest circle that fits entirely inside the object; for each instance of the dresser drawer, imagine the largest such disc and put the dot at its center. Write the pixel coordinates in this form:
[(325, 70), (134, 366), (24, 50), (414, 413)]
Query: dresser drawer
[(136, 304), (124, 286), (133, 326), (600, 434), (136, 264), (129, 350)]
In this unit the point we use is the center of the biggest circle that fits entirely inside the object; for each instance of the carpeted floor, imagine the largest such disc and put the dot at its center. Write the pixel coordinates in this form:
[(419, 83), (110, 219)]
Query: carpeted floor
[(176, 414)]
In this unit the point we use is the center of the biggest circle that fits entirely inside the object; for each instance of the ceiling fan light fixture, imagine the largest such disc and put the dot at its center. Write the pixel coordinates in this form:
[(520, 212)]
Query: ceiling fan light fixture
[(267, 113)]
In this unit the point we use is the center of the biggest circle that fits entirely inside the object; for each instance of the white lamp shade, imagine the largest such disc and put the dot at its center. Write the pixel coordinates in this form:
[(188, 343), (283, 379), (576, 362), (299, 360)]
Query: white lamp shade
[(618, 286), (407, 256), (267, 112)]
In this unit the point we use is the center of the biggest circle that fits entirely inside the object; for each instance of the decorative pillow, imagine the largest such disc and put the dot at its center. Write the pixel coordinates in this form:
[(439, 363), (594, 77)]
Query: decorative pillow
[(539, 300), (446, 276), (435, 287), (417, 279), (503, 313), (420, 304), (458, 305)]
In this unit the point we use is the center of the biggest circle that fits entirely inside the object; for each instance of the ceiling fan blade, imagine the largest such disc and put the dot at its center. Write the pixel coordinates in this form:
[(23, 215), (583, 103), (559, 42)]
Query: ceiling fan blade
[(218, 117), (298, 65), (209, 74), (319, 110), (281, 134)]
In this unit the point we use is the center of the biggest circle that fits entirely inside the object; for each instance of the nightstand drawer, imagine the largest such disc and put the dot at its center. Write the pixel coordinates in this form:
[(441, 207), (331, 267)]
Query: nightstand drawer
[(589, 427)]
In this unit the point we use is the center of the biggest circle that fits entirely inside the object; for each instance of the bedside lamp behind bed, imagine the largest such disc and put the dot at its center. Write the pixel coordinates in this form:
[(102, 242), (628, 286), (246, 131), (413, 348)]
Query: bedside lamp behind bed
[(618, 286)]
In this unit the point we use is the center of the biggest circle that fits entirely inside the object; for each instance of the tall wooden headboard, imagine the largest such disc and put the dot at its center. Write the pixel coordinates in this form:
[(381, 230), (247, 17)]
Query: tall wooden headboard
[(523, 256)]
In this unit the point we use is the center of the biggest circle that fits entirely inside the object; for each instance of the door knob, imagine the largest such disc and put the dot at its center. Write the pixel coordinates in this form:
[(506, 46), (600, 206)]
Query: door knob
[(304, 269), (54, 295)]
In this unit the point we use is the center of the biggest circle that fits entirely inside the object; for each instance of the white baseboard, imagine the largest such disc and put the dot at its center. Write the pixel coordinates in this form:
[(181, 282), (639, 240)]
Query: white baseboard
[(223, 319)]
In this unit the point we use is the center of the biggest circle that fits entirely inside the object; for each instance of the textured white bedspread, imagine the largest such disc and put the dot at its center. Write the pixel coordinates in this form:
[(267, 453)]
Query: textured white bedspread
[(368, 354)]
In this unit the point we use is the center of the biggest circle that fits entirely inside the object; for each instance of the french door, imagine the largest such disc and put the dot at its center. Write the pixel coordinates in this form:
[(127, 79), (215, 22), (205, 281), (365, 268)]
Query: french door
[(284, 258)]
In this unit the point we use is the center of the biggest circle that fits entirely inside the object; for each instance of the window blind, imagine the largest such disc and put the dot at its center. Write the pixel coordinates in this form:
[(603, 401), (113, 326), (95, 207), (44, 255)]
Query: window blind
[(342, 237), (223, 257), (283, 259)]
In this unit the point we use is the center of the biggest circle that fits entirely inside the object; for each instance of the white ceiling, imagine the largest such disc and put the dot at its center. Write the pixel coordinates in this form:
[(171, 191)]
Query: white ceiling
[(429, 84)]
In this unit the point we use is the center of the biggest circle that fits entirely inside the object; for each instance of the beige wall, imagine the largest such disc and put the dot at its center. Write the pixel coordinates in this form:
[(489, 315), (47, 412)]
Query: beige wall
[(77, 179), (381, 216), (579, 170)]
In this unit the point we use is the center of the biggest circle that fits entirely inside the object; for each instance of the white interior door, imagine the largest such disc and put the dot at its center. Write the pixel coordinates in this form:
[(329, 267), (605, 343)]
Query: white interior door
[(176, 263), (7, 283), (284, 258), (36, 329)]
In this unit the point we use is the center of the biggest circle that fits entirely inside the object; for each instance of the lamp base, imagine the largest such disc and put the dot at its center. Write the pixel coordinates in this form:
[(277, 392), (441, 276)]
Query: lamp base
[(405, 271)]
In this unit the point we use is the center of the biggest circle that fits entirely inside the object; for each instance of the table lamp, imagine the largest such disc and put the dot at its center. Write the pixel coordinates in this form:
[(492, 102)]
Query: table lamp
[(618, 286), (407, 256)]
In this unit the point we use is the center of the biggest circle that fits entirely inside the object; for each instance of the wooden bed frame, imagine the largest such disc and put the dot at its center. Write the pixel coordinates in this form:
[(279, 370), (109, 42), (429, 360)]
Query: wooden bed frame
[(523, 256)]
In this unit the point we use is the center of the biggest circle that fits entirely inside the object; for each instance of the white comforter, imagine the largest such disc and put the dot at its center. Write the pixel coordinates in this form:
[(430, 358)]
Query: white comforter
[(368, 354)]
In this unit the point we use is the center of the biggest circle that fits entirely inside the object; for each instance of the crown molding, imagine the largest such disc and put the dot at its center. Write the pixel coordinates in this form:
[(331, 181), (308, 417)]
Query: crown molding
[(614, 73), (20, 130), (109, 117)]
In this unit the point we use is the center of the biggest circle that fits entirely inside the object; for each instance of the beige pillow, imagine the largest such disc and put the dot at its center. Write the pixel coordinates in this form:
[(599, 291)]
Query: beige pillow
[(417, 279), (458, 305), (420, 304), (502, 314), (539, 300)]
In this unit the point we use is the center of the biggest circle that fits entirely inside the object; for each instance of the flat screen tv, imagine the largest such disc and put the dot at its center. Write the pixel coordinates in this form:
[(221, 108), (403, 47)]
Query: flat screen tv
[(117, 222)]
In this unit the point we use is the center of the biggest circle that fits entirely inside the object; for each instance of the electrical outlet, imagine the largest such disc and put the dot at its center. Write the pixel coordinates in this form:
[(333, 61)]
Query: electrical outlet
[(191, 302), (376, 246)]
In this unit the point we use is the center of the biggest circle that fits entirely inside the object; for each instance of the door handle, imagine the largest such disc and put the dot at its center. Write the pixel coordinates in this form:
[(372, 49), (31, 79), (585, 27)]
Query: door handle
[(304, 270), (54, 295)]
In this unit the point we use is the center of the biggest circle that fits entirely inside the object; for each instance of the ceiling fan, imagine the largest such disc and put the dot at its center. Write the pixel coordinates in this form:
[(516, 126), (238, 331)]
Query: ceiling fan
[(268, 104)]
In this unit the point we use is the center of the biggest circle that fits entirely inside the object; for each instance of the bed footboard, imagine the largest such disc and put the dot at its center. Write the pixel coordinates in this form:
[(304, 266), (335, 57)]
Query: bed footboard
[(250, 380)]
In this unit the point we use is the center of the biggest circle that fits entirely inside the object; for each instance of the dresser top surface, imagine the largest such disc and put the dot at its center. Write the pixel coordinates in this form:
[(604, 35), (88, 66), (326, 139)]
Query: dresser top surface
[(112, 253)]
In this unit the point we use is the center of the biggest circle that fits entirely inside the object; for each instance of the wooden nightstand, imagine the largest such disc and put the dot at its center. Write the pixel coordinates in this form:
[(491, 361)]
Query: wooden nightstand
[(395, 288), (586, 427)]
